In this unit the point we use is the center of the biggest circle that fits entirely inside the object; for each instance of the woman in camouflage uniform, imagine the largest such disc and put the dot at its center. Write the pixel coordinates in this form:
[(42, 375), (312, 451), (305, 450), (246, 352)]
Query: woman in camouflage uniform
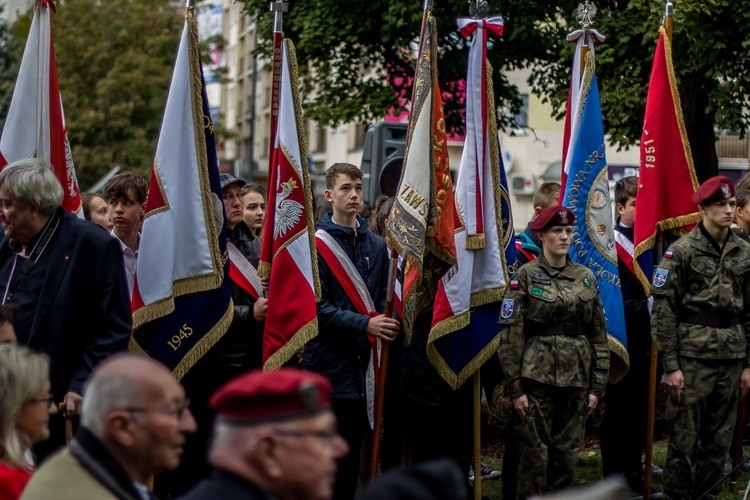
[(555, 356)]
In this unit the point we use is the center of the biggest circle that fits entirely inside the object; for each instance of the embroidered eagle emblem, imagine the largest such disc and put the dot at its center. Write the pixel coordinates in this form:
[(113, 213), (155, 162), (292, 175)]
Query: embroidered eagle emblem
[(288, 212)]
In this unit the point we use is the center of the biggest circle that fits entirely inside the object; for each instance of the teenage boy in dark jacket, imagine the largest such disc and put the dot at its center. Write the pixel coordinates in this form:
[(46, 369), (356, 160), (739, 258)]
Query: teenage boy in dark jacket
[(342, 349)]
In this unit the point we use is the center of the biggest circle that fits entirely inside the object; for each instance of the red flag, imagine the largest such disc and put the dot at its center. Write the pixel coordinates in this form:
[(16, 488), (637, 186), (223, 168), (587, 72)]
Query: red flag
[(35, 126), (667, 178), (421, 224), (288, 256)]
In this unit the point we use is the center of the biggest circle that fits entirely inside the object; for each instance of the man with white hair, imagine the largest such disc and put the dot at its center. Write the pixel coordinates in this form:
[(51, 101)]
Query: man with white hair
[(275, 437), (64, 278), (134, 422)]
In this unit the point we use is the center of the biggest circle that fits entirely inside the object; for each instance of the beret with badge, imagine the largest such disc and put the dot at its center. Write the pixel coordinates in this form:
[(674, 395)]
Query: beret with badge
[(259, 396), (714, 189), (553, 216)]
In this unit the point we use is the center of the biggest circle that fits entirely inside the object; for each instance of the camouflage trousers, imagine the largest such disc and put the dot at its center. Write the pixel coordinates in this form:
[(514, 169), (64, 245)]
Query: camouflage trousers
[(550, 439), (701, 427)]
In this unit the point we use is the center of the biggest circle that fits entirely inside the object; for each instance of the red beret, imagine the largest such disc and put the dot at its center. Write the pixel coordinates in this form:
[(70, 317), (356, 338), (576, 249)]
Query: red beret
[(260, 396), (553, 216), (715, 188)]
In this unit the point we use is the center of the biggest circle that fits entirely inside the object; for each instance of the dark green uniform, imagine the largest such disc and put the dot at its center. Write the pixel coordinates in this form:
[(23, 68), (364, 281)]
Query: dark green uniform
[(700, 323), (554, 350)]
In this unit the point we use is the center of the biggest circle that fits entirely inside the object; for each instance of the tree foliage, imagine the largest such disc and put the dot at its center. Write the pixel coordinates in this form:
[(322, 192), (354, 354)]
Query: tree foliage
[(356, 56), (114, 64)]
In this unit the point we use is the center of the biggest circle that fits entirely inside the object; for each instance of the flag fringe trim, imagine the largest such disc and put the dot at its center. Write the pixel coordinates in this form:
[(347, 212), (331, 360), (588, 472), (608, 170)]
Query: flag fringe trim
[(503, 235), (446, 327), (678, 107), (619, 370), (181, 287), (589, 70), (294, 344), (299, 116), (648, 243), (199, 123), (475, 242), (199, 349)]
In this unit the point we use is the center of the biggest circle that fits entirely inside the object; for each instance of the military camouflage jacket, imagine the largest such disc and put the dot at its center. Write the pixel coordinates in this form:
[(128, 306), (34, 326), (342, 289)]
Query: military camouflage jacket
[(693, 279), (541, 297)]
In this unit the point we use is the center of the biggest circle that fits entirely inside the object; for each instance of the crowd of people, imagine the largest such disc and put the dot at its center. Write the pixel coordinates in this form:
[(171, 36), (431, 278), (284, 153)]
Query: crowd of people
[(227, 428)]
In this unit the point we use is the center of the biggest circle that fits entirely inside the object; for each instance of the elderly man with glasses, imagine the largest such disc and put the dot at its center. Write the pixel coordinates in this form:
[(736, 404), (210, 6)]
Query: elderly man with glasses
[(274, 437), (134, 422)]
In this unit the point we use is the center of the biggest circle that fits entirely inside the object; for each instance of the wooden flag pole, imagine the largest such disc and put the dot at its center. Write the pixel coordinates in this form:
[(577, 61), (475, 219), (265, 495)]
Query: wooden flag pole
[(380, 397), (278, 8), (477, 397), (650, 414)]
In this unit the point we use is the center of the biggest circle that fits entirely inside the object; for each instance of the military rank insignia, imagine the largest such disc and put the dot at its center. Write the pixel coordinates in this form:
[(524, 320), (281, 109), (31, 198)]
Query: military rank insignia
[(506, 311), (660, 277)]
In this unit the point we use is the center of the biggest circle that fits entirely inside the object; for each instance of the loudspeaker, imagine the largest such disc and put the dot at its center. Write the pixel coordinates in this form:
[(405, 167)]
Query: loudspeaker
[(382, 159)]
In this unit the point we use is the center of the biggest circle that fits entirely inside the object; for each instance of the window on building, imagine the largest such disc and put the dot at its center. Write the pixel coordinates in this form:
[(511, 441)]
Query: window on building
[(320, 140), (360, 131), (521, 119)]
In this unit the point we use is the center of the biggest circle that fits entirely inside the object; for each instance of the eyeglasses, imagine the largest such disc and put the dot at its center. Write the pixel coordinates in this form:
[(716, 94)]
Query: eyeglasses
[(50, 399), (177, 412), (328, 437)]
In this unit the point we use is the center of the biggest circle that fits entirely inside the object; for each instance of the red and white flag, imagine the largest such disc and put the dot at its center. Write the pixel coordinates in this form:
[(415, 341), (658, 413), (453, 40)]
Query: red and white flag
[(288, 256), (35, 125)]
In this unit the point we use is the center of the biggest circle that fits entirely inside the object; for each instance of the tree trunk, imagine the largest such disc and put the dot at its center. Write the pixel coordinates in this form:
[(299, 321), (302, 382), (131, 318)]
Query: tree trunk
[(699, 124)]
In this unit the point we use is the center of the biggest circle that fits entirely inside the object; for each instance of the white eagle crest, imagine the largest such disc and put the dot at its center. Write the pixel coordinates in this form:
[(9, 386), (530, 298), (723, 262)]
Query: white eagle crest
[(288, 212)]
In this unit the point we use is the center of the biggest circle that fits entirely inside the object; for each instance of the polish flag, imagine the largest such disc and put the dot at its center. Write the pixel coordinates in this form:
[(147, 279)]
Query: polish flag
[(35, 125), (288, 256)]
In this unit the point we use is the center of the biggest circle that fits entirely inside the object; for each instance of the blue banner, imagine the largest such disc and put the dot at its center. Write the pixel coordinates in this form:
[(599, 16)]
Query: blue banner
[(587, 195)]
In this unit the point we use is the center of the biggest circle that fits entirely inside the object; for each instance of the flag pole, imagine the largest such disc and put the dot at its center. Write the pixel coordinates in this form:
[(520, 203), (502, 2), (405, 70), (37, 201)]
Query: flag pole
[(278, 7), (650, 414), (380, 397)]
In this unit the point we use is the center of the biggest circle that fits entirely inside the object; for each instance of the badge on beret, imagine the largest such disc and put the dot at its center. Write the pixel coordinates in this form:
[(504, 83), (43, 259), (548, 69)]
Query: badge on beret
[(563, 215), (660, 277), (506, 311), (725, 191), (513, 284), (668, 254)]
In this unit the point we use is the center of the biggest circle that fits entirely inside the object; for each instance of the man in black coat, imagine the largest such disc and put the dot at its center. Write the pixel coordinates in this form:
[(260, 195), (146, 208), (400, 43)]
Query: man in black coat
[(64, 277)]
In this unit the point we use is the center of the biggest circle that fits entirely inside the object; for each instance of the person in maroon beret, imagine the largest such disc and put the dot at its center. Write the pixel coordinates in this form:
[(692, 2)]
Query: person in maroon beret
[(700, 322), (554, 354), (274, 437)]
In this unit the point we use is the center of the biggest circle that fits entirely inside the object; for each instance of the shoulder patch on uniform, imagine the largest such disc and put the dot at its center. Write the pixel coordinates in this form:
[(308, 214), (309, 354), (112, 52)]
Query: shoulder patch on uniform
[(540, 277), (660, 277), (506, 311), (513, 284), (537, 291), (668, 254)]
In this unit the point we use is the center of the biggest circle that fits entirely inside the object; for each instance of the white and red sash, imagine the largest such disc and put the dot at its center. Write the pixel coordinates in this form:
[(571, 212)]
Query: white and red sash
[(624, 249), (354, 287), (243, 273)]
